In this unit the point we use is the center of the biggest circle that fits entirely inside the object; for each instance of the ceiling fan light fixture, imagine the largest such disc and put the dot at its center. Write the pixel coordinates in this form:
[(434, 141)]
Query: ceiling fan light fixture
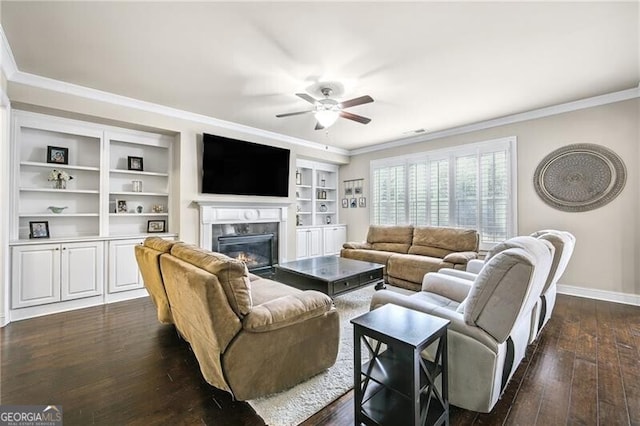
[(326, 117)]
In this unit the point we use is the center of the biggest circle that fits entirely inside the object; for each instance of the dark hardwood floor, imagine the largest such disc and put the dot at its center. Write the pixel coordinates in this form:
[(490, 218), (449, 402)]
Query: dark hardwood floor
[(116, 364)]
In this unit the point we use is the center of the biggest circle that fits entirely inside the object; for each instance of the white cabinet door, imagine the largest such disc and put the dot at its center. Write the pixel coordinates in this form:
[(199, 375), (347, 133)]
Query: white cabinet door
[(315, 242), (123, 269), (82, 269), (35, 275), (333, 239), (302, 243)]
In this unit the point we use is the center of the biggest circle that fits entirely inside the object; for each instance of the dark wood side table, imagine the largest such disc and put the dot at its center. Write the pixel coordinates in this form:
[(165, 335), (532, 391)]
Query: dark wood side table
[(396, 386)]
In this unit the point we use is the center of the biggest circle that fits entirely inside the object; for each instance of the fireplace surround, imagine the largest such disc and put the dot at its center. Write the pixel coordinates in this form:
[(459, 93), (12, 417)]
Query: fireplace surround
[(244, 219)]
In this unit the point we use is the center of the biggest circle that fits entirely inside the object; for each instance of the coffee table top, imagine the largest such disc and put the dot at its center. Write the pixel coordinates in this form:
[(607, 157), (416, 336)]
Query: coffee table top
[(329, 268)]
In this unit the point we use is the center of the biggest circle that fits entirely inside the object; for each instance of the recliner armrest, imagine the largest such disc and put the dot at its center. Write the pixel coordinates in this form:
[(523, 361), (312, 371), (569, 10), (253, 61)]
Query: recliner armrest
[(451, 287), (475, 266), (353, 245), (458, 273), (287, 310), (460, 257)]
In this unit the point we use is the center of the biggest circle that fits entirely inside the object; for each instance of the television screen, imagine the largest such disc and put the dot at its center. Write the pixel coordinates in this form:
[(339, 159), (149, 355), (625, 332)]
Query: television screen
[(232, 166)]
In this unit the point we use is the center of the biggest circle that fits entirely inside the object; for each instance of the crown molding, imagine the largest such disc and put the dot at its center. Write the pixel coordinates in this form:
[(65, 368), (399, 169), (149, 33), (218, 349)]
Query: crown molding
[(608, 98), (7, 61)]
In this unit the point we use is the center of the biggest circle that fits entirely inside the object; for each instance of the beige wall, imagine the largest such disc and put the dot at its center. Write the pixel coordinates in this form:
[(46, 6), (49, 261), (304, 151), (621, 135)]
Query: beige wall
[(187, 150), (608, 239)]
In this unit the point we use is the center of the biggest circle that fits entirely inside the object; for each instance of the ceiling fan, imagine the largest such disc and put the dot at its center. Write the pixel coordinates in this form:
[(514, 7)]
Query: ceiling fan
[(327, 111)]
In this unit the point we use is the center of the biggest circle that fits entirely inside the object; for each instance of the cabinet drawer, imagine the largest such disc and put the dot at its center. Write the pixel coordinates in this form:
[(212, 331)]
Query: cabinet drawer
[(367, 277), (344, 285)]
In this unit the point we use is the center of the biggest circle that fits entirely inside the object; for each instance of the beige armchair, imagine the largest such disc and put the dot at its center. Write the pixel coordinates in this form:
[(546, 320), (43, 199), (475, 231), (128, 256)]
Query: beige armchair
[(251, 336), (490, 319)]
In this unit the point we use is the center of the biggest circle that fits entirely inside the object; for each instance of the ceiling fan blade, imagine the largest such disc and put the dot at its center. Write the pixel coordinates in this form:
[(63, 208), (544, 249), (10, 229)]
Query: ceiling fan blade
[(319, 126), (289, 114), (357, 101), (354, 117), (306, 97)]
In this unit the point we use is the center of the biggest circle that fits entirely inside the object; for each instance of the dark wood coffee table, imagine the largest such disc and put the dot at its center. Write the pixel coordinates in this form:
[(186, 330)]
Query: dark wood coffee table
[(331, 275)]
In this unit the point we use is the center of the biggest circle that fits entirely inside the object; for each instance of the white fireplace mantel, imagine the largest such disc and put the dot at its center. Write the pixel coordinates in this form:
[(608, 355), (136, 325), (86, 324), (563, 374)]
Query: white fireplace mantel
[(213, 212)]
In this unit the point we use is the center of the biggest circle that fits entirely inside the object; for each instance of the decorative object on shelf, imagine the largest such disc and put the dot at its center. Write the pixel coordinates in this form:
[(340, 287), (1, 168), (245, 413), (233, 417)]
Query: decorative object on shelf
[(134, 163), (56, 210), (298, 208), (328, 220), (298, 177), (580, 177), (157, 208), (323, 180), (298, 220), (136, 185), (323, 208), (297, 194), (59, 178), (39, 229), (121, 206), (354, 203), (362, 202), (156, 226), (139, 209), (322, 195), (57, 155)]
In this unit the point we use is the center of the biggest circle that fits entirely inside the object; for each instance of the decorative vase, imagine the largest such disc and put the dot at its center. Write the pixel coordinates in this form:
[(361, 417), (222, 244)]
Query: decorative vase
[(59, 184)]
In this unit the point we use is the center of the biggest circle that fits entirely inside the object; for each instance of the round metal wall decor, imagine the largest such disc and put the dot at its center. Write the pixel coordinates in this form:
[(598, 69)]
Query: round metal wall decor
[(580, 177)]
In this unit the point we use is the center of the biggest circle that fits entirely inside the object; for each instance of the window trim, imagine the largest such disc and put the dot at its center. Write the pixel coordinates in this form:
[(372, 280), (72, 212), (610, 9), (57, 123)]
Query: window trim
[(508, 143)]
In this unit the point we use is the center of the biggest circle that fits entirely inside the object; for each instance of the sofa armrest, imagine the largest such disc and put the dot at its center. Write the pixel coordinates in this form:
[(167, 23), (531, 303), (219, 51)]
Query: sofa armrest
[(354, 245), (286, 310), (453, 288), (475, 266), (460, 257)]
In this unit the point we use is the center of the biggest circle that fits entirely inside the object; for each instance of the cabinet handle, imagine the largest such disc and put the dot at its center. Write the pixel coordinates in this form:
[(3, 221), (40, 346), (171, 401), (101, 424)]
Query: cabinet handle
[(57, 248), (64, 248), (346, 283)]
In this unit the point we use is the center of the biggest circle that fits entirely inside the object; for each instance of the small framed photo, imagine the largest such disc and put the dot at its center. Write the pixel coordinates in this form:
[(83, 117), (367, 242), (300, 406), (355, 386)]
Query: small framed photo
[(57, 155), (362, 202), (121, 206), (156, 226), (354, 203), (345, 203), (39, 229), (134, 163)]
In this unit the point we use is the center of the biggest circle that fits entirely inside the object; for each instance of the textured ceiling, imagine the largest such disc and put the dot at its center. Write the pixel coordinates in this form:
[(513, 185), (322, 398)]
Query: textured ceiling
[(428, 66)]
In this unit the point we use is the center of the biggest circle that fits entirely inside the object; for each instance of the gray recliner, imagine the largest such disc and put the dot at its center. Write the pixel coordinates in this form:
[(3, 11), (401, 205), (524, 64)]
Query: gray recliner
[(490, 319), (563, 243)]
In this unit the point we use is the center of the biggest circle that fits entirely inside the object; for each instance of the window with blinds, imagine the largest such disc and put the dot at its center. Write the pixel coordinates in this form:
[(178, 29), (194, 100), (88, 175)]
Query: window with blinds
[(469, 187)]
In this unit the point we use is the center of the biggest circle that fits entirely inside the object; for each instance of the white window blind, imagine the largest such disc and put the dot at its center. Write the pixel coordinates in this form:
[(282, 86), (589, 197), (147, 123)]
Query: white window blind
[(470, 187)]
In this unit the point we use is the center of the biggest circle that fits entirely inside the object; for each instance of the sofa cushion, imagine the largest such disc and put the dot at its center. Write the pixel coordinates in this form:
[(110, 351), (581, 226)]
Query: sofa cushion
[(390, 238), (440, 241), (264, 290), (411, 267), (232, 274), (374, 256)]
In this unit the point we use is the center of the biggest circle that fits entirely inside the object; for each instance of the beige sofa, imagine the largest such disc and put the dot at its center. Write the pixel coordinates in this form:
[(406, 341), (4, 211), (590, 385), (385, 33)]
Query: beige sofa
[(408, 252), (251, 336)]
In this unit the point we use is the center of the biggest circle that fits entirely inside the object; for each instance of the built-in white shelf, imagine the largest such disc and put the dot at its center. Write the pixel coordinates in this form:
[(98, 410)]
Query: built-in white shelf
[(59, 166), (138, 173), (152, 194), (303, 199), (138, 214), (59, 214), (303, 212), (303, 186), (61, 191)]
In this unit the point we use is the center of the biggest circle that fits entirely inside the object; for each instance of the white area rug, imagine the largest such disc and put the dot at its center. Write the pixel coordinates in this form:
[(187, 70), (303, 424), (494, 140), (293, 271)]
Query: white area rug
[(295, 405)]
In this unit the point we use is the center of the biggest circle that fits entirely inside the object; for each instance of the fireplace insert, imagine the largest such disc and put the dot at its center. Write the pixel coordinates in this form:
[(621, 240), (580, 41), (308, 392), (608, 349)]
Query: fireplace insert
[(256, 251)]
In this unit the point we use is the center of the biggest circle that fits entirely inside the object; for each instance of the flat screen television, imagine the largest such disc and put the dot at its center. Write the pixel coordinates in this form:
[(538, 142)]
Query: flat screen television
[(231, 166)]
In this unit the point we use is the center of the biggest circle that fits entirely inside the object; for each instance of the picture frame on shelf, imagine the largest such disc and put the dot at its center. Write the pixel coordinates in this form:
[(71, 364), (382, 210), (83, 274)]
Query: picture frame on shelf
[(121, 206), (154, 226), (39, 229), (345, 203), (362, 202), (57, 155), (135, 163)]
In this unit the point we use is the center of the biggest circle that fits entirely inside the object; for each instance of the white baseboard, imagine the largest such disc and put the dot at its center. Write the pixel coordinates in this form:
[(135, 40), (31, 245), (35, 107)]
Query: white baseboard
[(591, 293), (3, 320)]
